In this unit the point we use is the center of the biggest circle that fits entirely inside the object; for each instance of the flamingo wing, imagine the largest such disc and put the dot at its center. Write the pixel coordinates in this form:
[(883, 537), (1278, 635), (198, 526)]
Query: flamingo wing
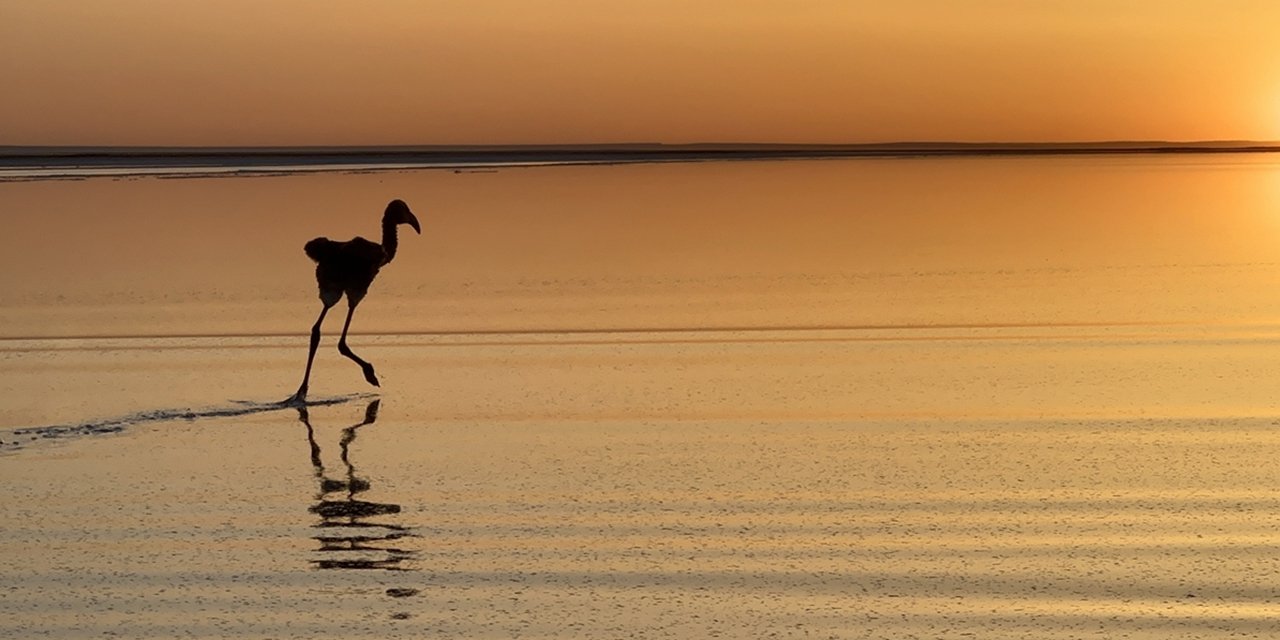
[(322, 249)]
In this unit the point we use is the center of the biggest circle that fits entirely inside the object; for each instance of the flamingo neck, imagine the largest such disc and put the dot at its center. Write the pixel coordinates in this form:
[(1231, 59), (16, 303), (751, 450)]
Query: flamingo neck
[(389, 241)]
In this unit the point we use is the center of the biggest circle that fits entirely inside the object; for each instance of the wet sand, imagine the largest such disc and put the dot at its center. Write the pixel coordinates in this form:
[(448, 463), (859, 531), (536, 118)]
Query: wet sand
[(681, 488)]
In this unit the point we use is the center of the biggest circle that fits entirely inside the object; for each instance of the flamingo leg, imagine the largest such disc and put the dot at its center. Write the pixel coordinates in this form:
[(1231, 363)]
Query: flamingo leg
[(346, 351), (301, 395)]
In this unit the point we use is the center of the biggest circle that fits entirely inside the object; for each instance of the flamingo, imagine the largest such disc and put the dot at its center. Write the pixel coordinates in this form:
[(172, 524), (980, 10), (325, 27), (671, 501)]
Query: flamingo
[(349, 268)]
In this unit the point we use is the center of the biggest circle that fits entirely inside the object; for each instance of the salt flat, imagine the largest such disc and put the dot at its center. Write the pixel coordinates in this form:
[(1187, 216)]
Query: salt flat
[(941, 398)]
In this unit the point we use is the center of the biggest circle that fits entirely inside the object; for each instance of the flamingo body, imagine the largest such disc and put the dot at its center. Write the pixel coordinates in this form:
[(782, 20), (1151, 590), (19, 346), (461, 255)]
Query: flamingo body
[(345, 267)]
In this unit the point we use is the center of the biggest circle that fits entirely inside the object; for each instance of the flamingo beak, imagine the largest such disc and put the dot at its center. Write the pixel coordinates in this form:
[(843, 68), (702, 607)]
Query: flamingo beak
[(412, 221)]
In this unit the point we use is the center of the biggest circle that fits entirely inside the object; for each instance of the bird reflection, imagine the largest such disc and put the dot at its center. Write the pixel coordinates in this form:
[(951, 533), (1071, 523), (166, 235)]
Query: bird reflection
[(350, 535)]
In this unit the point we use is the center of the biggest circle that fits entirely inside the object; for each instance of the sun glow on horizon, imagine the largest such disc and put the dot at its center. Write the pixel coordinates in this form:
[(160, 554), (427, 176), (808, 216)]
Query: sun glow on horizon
[(335, 72)]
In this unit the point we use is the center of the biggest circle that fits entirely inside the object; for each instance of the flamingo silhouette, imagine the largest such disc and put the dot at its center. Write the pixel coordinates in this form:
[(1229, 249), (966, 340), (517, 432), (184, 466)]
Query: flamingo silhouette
[(349, 268)]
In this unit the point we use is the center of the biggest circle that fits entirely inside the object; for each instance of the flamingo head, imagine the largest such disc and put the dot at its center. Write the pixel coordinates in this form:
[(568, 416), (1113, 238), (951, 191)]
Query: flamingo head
[(398, 213)]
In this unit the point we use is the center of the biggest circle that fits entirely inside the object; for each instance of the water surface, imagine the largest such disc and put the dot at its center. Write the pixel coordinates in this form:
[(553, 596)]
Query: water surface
[(867, 398)]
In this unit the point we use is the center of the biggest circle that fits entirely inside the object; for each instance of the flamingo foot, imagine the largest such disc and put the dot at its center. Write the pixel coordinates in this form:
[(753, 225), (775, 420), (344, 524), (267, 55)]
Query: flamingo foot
[(298, 399), (368, 374)]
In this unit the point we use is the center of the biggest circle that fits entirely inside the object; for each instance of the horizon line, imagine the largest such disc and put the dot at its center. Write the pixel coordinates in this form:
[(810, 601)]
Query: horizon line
[(36, 149)]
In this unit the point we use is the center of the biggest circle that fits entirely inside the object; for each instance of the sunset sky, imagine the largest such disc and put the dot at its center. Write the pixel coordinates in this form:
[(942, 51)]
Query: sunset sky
[(233, 72)]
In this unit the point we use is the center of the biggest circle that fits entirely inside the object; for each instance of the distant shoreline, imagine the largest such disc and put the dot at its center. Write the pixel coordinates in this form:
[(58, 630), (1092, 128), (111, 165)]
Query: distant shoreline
[(36, 162)]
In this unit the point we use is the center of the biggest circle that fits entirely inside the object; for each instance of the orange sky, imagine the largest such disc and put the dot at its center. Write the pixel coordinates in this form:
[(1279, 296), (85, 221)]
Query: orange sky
[(234, 72)]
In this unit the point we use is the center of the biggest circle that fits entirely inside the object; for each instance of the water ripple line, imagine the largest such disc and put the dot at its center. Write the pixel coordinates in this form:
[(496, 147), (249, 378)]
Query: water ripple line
[(17, 438)]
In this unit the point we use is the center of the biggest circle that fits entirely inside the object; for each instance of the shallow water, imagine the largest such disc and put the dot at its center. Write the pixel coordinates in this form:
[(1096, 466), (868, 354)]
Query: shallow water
[(665, 488), (855, 399), (832, 243)]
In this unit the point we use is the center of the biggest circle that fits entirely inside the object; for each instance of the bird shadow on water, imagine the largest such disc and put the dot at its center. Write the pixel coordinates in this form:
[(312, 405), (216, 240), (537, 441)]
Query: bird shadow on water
[(353, 533), (15, 439)]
